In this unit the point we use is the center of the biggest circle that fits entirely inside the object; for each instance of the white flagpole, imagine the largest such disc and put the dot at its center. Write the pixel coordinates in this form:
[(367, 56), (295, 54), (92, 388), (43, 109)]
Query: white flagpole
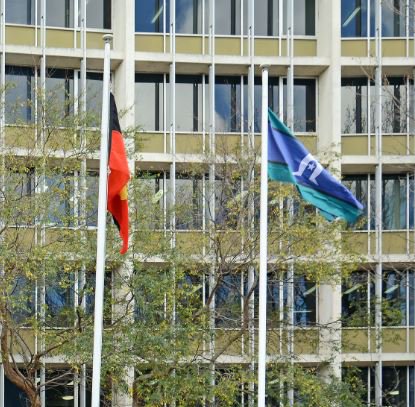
[(263, 243), (101, 236)]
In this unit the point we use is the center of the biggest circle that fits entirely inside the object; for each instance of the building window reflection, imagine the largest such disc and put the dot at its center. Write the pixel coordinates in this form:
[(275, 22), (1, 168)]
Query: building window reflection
[(152, 15), (59, 299), (20, 95), (395, 14), (149, 106), (228, 103), (304, 17), (189, 16), (304, 105)]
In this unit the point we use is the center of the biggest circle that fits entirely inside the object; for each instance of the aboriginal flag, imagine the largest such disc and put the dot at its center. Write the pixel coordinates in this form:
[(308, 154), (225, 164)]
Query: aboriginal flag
[(118, 177)]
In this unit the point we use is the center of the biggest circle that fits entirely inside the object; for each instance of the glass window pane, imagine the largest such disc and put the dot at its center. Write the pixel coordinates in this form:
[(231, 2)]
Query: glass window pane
[(59, 95), (393, 18), (304, 105), (151, 14), (273, 101), (394, 298), (394, 106), (91, 204), (59, 13), (228, 104), (20, 86), (304, 17), (189, 116), (266, 17), (13, 396), (394, 386), (394, 202), (355, 300), (59, 193), (59, 391), (273, 301), (98, 14), (189, 203), (354, 18), (354, 105), (228, 17), (304, 300), (358, 185), (189, 16), (228, 301), (151, 196), (20, 11), (149, 102), (93, 98), (59, 299)]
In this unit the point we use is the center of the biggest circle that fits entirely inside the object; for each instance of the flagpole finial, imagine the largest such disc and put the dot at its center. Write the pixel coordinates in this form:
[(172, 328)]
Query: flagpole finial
[(107, 38)]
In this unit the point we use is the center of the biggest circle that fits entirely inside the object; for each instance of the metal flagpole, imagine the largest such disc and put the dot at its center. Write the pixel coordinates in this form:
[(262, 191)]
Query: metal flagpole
[(263, 245), (379, 217), (101, 237)]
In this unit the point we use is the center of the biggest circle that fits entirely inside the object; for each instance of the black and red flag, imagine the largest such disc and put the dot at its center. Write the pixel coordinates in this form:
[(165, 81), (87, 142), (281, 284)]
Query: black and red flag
[(118, 177)]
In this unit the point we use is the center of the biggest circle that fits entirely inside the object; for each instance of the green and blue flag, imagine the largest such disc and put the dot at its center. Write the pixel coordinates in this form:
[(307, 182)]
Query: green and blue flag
[(290, 162)]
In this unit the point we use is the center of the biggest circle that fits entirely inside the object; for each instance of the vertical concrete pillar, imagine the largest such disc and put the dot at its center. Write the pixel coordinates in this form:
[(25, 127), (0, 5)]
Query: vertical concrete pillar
[(329, 140)]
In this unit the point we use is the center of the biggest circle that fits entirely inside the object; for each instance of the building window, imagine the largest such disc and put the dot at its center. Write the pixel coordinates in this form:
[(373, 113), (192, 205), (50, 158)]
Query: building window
[(359, 186), (397, 391), (228, 301), (266, 17), (355, 307), (354, 18), (59, 389), (394, 380), (228, 17), (59, 13), (394, 108), (304, 301), (189, 202), (59, 299), (149, 107), (152, 15), (354, 103), (228, 103), (59, 194), (91, 204), (19, 188), (98, 14), (189, 100), (20, 11), (273, 100), (93, 95), (304, 17), (394, 298), (152, 200), (189, 16), (395, 113), (59, 96), (394, 202), (304, 104), (20, 95)]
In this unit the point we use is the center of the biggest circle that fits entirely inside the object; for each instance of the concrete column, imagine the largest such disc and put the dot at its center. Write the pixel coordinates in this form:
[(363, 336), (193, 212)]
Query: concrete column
[(329, 141)]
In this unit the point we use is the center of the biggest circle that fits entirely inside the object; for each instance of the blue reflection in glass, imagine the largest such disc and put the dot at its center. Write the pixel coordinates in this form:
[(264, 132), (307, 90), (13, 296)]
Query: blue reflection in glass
[(59, 298), (354, 18), (149, 15)]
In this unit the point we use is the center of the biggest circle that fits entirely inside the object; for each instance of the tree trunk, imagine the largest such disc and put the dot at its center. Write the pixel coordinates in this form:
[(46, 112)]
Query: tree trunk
[(35, 400), (26, 384)]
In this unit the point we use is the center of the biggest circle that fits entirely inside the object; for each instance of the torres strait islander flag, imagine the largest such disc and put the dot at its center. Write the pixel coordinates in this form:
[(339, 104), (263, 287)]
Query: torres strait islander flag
[(118, 177), (290, 162)]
